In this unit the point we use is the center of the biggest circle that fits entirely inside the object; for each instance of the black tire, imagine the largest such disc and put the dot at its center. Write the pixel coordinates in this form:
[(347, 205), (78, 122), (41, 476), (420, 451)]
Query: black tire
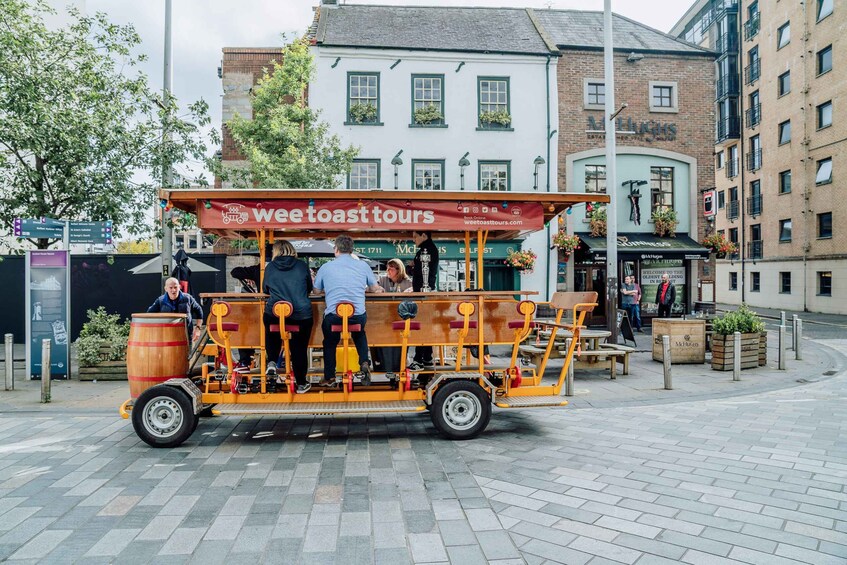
[(163, 416), (460, 410)]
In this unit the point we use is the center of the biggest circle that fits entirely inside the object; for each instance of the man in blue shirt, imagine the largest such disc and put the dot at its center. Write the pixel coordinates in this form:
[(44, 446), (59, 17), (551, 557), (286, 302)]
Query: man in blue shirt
[(345, 279)]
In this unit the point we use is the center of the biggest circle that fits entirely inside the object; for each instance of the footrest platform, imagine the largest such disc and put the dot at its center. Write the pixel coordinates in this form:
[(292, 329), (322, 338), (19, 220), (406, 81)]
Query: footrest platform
[(320, 407), (529, 401)]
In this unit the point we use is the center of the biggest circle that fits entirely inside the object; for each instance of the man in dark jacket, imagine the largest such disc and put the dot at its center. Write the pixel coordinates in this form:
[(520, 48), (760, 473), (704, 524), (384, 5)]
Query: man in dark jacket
[(174, 300), (426, 248), (288, 278), (665, 296)]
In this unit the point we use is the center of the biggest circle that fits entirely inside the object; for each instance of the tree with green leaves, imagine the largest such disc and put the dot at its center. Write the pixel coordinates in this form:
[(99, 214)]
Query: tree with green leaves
[(79, 123), (285, 143)]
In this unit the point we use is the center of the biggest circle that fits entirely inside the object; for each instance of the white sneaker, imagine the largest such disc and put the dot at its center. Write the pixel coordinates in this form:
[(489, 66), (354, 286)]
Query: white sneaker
[(302, 389), (271, 369)]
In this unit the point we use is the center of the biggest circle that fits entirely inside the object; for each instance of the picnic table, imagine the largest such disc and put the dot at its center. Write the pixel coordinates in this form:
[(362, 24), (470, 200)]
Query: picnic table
[(591, 352)]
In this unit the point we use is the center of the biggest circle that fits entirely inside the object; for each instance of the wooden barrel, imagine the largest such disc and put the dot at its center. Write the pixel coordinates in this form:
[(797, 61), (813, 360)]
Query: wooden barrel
[(157, 350)]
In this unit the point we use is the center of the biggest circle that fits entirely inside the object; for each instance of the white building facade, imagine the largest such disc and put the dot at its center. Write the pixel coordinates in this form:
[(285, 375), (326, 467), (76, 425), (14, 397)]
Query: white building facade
[(486, 112)]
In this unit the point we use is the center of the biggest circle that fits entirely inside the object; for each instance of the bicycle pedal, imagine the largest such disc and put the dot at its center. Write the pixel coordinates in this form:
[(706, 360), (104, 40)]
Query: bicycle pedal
[(242, 388)]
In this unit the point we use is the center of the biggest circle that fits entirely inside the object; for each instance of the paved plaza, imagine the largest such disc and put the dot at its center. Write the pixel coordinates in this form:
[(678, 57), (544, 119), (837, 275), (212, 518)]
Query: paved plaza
[(713, 471)]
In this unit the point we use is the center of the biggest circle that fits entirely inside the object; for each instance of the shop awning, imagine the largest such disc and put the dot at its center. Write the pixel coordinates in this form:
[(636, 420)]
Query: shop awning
[(635, 246)]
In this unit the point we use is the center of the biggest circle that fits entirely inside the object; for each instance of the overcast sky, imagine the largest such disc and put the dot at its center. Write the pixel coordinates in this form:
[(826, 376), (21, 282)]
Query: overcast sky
[(201, 28)]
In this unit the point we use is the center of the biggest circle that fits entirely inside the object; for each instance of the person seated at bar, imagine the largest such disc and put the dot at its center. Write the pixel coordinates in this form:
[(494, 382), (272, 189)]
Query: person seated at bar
[(288, 278), (345, 279), (395, 280), (174, 300)]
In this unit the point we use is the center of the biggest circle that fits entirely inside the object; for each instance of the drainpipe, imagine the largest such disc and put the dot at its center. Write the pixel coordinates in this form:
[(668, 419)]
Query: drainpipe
[(808, 217), (742, 236), (547, 90)]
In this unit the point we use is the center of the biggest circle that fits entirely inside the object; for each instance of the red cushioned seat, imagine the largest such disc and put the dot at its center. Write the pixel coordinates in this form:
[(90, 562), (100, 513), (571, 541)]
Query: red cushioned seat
[(227, 327), (514, 324), (275, 328), (350, 328), (401, 325), (461, 324)]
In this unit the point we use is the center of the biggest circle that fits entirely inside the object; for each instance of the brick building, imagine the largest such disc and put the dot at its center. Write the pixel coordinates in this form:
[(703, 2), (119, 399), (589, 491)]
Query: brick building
[(780, 146), (664, 150)]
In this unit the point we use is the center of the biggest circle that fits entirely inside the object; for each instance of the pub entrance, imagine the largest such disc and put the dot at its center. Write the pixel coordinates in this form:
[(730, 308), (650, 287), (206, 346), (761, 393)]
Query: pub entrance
[(588, 278)]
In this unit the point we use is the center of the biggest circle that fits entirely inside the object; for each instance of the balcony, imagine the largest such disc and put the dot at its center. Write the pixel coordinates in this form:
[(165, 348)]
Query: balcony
[(726, 86), (727, 43), (731, 168), (721, 7), (754, 160), (753, 71), (752, 116), (751, 27), (754, 205), (728, 128), (755, 249), (732, 210)]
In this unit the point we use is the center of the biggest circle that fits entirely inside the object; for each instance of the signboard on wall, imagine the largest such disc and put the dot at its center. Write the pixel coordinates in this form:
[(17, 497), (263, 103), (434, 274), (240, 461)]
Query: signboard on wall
[(48, 308), (709, 204)]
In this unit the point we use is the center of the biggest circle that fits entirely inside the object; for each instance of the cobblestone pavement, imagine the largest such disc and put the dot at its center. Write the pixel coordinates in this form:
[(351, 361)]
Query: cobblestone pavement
[(751, 479)]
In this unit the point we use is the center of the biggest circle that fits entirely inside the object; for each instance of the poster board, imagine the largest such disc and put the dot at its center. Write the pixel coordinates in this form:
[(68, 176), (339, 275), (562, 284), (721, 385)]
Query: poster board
[(625, 326), (48, 310)]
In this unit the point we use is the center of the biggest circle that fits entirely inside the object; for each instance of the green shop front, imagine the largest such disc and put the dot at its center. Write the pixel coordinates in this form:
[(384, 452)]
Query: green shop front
[(451, 264), (645, 257)]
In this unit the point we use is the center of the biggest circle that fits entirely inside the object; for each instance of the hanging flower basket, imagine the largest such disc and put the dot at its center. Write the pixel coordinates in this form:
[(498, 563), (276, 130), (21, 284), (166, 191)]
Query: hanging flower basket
[(522, 260), (565, 242), (596, 214), (665, 222), (719, 245)]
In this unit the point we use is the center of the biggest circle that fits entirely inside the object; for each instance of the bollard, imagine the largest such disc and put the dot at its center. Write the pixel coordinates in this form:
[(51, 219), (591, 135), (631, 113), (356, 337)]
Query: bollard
[(45, 371), (569, 376), (10, 362), (736, 356), (666, 361), (782, 318), (782, 332), (798, 341), (794, 332)]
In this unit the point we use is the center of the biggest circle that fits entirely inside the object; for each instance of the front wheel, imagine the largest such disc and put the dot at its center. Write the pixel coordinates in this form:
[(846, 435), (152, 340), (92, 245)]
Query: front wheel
[(163, 416), (460, 410)]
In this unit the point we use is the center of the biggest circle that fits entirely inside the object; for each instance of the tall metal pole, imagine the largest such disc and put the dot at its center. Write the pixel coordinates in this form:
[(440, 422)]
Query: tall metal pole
[(611, 178), (167, 181)]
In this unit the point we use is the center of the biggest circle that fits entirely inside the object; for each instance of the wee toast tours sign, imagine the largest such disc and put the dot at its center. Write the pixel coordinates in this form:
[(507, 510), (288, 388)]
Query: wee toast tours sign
[(371, 216)]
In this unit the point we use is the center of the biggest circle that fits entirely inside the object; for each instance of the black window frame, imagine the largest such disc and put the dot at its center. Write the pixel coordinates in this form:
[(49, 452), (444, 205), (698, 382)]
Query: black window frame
[(823, 56), (823, 225), (779, 31), (785, 282), (785, 227), (820, 164), (820, 5), (733, 280), (784, 132), (783, 84), (824, 289), (819, 114), (755, 281), (783, 175), (374, 162)]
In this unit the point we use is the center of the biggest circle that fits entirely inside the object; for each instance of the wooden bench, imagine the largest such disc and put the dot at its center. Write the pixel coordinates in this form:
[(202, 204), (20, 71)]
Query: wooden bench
[(536, 354), (623, 359), (596, 358)]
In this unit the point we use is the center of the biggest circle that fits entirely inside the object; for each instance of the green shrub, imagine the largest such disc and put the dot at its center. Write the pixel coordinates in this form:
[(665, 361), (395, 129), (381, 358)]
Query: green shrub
[(363, 113), (742, 320), (428, 114), (501, 117), (102, 327)]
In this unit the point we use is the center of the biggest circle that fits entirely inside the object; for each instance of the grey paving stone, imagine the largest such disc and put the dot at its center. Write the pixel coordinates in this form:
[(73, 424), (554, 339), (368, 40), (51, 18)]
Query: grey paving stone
[(554, 553), (42, 544), (497, 545), (466, 555), (427, 547), (696, 543), (391, 556), (113, 543), (808, 556), (182, 541)]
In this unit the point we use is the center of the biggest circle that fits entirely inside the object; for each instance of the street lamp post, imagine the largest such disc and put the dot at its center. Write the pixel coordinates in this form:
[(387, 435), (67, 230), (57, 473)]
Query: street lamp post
[(611, 179), (537, 162), (167, 230), (463, 162), (396, 161)]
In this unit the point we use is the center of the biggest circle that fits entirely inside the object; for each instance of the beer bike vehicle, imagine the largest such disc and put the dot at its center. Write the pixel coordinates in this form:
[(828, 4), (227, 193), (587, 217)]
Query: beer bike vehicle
[(167, 401)]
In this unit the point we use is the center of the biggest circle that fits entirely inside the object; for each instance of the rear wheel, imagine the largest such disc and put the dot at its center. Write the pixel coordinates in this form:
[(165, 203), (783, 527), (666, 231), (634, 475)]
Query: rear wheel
[(460, 410), (163, 416)]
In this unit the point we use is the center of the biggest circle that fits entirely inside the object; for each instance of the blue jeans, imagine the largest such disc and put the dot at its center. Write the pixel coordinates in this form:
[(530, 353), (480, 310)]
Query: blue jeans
[(634, 313), (331, 340)]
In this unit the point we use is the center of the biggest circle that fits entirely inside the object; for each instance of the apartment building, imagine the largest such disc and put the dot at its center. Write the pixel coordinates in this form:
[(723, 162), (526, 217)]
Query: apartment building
[(779, 149)]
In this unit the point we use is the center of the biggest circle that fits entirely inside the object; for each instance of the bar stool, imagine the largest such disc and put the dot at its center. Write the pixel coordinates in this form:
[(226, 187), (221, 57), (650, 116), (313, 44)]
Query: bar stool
[(466, 309), (407, 311), (221, 310), (344, 310), (525, 308), (282, 309)]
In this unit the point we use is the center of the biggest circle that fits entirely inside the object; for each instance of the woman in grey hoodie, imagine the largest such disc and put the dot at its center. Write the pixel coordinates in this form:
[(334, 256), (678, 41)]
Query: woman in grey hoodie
[(288, 278)]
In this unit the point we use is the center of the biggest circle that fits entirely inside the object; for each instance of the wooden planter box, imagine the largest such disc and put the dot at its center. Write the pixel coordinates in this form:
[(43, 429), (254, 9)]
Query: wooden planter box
[(688, 339), (104, 370), (753, 351)]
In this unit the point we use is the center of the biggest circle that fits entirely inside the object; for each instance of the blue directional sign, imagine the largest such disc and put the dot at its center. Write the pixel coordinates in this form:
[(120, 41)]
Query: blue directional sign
[(91, 232), (45, 228)]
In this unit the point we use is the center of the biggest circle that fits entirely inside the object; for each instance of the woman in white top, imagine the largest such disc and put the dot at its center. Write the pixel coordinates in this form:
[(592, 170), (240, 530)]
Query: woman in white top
[(395, 280)]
